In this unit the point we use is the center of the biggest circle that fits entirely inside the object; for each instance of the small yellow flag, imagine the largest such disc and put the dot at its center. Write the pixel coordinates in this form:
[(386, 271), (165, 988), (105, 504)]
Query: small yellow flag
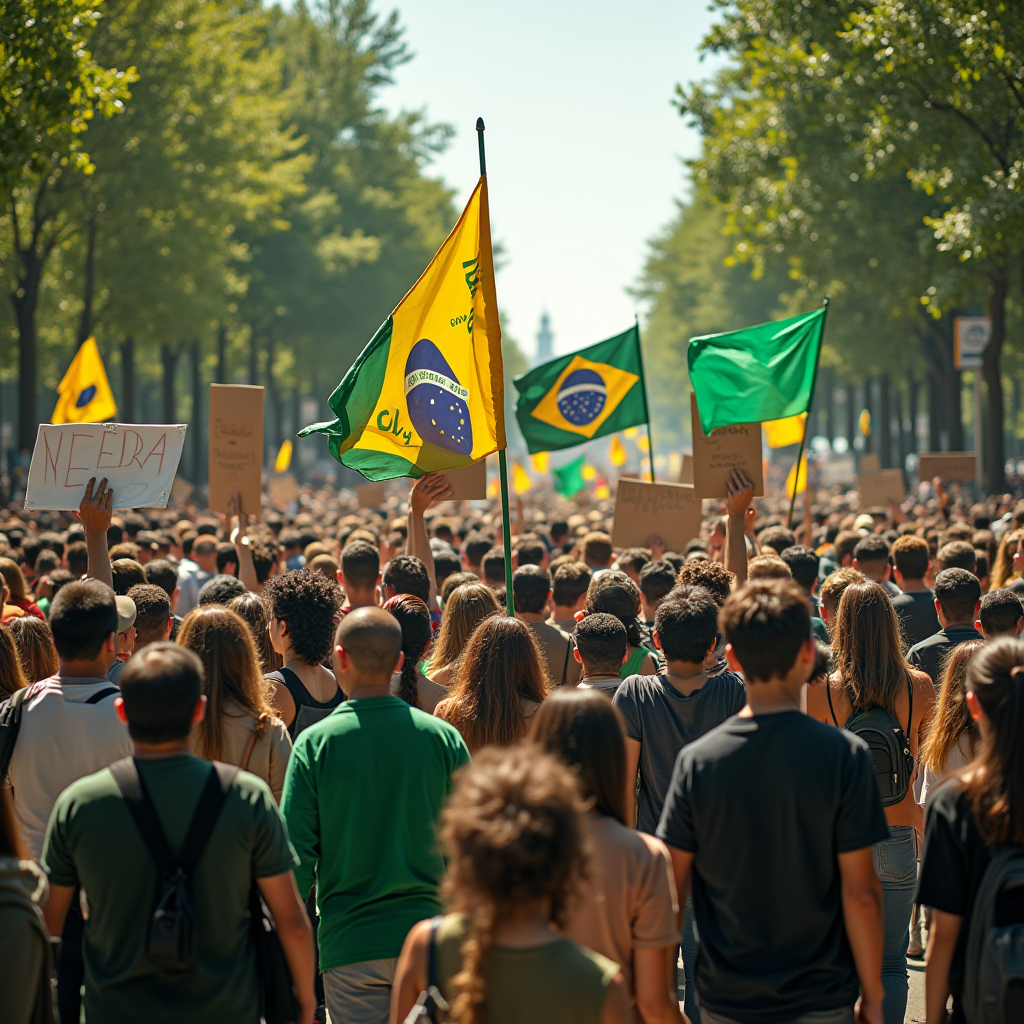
[(588, 473), (643, 443), (617, 452), (521, 481), (539, 461), (789, 430), (494, 488), (602, 491), (84, 393), (792, 480), (631, 432), (865, 422), (284, 456)]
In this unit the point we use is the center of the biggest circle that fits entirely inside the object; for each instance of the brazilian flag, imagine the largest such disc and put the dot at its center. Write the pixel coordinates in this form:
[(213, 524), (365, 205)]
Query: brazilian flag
[(575, 398)]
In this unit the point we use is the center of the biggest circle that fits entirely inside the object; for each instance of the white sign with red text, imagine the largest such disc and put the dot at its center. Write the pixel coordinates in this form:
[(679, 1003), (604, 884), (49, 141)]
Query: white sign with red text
[(138, 460)]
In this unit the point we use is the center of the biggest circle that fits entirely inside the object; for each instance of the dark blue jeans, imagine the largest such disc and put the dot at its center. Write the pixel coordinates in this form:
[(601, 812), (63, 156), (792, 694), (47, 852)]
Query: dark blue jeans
[(896, 864)]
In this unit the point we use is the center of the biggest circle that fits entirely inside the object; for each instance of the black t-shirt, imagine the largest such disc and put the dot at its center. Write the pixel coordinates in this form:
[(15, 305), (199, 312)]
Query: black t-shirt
[(953, 862), (932, 654), (765, 804), (916, 612)]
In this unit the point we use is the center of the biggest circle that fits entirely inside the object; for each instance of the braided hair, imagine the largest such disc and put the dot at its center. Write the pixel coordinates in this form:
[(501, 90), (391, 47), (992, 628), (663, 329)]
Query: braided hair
[(414, 618)]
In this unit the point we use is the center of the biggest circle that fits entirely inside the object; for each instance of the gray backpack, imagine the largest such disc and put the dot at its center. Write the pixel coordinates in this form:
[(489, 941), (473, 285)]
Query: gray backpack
[(888, 743), (994, 962)]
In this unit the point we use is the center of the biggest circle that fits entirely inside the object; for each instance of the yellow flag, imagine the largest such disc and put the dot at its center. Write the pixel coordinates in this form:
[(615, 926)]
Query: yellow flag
[(617, 453), (792, 480), (521, 481), (602, 491), (284, 456), (588, 473), (427, 392), (539, 461), (864, 422), (84, 395), (789, 430)]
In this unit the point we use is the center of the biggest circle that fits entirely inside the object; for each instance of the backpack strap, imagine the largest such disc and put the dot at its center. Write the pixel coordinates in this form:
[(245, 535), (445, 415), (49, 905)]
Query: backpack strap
[(103, 694), (565, 666), (828, 693), (910, 701), (211, 800), (10, 722)]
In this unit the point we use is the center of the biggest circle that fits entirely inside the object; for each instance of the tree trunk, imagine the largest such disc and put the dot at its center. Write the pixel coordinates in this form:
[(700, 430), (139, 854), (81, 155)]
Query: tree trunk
[(851, 413), (885, 421), (254, 359), (86, 321), (128, 379), (276, 434), (899, 437), (196, 426), (994, 462), (1015, 442), (912, 389), (222, 354), (169, 357), (830, 402)]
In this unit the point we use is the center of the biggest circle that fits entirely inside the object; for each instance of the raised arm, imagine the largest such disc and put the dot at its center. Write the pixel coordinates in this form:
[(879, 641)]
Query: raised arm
[(429, 488), (95, 513), (240, 538), (740, 493)]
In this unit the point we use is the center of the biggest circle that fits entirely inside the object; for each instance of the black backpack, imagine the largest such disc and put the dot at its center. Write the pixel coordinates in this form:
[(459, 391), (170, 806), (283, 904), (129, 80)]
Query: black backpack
[(887, 743), (994, 959)]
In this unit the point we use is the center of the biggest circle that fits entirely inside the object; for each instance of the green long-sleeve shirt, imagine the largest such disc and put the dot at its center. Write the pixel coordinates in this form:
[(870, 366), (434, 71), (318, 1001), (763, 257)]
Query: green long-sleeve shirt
[(362, 798)]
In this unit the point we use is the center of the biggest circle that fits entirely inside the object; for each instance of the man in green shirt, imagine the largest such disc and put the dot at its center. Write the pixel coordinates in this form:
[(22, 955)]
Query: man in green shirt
[(92, 841), (362, 798)]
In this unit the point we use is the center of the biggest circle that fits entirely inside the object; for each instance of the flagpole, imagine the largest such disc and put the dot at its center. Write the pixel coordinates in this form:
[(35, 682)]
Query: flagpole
[(647, 404), (506, 519), (807, 421)]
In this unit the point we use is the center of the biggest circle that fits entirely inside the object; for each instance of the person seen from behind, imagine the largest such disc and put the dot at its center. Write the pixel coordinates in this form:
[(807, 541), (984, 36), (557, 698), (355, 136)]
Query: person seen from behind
[(531, 593), (464, 609), (409, 682), (957, 603), (915, 604), (34, 642), (1000, 614), (600, 649), (615, 593)]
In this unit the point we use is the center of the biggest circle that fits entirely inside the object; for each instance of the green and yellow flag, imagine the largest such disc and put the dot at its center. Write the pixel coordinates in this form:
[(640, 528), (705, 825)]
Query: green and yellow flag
[(427, 394), (591, 393), (84, 394)]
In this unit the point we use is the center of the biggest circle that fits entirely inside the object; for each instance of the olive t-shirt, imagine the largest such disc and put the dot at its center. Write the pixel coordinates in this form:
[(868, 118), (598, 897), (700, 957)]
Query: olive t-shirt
[(765, 804), (93, 841)]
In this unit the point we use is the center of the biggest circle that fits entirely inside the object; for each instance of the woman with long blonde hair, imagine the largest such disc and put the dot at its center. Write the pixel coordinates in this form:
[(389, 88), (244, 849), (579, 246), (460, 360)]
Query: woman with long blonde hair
[(467, 606), (12, 678), (952, 736), (500, 684), (514, 835), (253, 609), (34, 642), (870, 670), (1003, 570), (239, 727)]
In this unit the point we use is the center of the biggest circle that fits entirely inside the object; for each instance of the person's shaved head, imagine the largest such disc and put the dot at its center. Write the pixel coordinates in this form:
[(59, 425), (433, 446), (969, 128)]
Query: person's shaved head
[(372, 638)]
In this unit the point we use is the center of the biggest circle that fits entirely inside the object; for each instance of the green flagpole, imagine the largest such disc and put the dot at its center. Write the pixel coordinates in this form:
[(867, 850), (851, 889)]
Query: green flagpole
[(506, 519), (807, 422), (647, 404)]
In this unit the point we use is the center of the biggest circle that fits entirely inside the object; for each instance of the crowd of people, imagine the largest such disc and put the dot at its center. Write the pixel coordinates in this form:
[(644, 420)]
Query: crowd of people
[(736, 784)]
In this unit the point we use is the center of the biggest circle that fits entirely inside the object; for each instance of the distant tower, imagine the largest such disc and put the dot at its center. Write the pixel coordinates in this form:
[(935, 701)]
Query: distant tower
[(545, 341)]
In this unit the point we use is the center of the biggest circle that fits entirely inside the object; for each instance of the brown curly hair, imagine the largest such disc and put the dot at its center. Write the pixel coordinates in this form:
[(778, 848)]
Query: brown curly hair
[(712, 576), (513, 832)]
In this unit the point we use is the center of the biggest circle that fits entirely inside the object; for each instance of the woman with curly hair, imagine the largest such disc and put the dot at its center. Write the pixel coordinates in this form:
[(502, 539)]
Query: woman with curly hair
[(239, 726), (410, 683), (34, 642), (304, 611), (464, 609), (513, 833), (500, 684)]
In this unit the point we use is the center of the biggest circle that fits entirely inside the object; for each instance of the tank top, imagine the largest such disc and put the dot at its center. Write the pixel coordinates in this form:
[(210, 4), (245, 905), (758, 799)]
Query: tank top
[(307, 710), (635, 661), (559, 983)]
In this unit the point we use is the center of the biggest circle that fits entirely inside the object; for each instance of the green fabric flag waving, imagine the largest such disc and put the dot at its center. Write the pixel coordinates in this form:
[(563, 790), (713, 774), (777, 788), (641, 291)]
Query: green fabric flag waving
[(575, 398), (758, 373), (568, 479)]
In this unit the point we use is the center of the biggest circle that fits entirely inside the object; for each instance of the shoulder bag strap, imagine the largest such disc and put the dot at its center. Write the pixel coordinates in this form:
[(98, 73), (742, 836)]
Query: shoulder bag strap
[(244, 766), (211, 800), (565, 666), (103, 694), (828, 693), (141, 808), (10, 718), (910, 701)]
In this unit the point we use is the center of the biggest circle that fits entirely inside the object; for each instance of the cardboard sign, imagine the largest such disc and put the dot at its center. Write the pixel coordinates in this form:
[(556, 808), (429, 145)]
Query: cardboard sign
[(870, 464), (728, 448), (881, 488), (686, 470), (370, 495), (181, 491), (139, 462), (468, 483), (282, 489), (958, 466), (642, 510), (236, 446)]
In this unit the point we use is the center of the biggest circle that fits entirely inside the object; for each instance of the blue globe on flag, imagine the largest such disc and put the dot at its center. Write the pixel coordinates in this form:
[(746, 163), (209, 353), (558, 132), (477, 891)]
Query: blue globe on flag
[(582, 396)]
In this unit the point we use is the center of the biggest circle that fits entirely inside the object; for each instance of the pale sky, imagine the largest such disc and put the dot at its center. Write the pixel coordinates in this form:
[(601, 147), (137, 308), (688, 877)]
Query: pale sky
[(584, 146)]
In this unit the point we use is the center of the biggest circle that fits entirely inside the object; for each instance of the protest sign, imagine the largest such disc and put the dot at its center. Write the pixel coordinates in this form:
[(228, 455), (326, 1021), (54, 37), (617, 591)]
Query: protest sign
[(686, 470), (181, 491), (870, 464), (728, 448), (642, 510), (139, 462), (370, 495), (282, 489), (959, 466), (881, 488), (468, 482), (236, 447)]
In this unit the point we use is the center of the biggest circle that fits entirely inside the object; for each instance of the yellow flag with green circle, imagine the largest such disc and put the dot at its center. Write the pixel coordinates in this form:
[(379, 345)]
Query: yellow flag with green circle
[(427, 392)]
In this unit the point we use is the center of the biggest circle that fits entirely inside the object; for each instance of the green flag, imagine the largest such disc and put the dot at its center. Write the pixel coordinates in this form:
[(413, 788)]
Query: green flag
[(758, 373), (575, 398), (569, 478)]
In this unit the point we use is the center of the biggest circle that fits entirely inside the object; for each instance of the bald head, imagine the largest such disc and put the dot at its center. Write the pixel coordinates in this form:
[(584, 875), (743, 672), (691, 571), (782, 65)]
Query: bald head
[(372, 639)]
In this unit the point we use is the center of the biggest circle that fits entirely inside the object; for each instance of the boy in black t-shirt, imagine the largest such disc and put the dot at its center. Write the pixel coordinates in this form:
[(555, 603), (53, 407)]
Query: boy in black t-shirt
[(772, 815)]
